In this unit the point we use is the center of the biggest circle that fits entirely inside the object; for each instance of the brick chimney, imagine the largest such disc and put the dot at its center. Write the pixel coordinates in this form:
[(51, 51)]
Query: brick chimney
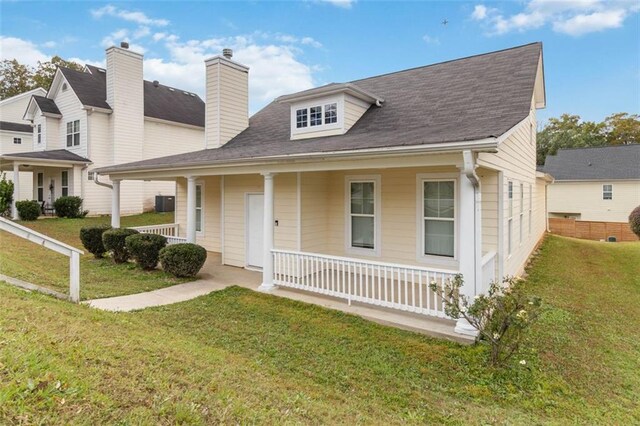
[(227, 99)]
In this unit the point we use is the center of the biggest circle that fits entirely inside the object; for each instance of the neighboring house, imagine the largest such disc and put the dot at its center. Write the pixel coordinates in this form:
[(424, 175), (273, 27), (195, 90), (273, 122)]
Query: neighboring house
[(16, 134), (100, 117), (367, 190), (598, 185)]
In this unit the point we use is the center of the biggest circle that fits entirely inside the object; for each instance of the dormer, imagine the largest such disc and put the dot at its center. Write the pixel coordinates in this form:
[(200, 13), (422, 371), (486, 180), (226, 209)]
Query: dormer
[(328, 110)]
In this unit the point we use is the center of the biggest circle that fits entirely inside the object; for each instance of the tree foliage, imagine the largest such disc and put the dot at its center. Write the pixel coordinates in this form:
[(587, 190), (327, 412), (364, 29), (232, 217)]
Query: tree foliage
[(16, 78), (569, 131)]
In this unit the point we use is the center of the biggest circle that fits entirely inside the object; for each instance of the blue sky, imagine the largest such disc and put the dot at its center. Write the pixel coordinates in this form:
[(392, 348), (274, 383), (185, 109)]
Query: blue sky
[(591, 47)]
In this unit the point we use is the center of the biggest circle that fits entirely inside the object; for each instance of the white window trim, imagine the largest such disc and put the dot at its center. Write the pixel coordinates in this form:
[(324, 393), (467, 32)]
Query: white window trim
[(62, 185), (509, 218), (377, 216), (201, 184), (530, 207), (521, 213), (603, 192), (73, 133), (447, 262), (39, 134), (339, 124)]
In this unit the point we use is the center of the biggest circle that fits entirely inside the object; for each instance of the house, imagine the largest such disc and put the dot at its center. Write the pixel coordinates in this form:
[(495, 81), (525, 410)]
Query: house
[(367, 190), (99, 117), (594, 191), (16, 133)]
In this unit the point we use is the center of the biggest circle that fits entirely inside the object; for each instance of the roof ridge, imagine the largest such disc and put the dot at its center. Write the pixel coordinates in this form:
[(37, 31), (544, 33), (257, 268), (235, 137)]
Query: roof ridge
[(600, 147)]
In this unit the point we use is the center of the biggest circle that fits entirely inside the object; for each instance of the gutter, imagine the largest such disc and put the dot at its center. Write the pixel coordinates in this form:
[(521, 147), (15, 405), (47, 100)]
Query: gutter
[(96, 180)]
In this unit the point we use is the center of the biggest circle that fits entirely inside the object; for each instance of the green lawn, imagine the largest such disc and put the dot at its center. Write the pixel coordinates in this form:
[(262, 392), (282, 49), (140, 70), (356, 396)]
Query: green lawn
[(238, 356), (98, 278)]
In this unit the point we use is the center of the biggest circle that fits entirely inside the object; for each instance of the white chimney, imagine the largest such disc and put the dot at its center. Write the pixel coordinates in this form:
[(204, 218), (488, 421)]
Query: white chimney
[(227, 99), (125, 96)]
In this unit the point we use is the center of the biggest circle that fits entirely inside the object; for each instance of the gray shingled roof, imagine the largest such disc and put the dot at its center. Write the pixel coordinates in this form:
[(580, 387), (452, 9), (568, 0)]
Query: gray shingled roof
[(15, 127), (159, 102), (461, 100), (46, 104), (601, 163), (55, 154)]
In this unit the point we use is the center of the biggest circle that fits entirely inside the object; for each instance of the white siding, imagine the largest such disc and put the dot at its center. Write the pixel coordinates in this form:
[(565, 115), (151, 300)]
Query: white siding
[(71, 110)]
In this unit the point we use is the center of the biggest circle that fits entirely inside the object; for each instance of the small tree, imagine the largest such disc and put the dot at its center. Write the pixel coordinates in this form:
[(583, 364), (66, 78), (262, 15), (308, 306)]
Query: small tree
[(501, 316), (634, 221), (6, 195)]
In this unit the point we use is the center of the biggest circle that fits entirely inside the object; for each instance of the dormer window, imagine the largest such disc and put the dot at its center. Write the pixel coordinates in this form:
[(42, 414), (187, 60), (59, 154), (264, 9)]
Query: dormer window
[(318, 115), (301, 118), (331, 113)]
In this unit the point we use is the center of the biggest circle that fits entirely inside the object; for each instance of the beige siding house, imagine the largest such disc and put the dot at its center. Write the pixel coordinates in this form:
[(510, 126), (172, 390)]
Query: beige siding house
[(369, 190), (96, 118)]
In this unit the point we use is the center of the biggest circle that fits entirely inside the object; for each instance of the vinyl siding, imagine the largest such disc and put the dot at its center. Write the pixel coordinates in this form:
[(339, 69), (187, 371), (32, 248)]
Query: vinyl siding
[(98, 198), (71, 110), (353, 110), (314, 205), (490, 222), (585, 199), (13, 109)]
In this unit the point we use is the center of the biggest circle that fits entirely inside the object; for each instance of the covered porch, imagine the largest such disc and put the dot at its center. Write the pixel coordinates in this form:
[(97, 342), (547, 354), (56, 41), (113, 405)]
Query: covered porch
[(374, 236), (56, 173)]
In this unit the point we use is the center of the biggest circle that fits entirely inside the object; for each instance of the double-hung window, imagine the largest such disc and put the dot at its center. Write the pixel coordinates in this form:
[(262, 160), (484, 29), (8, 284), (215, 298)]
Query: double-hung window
[(607, 192), (39, 133), (40, 186), (199, 210), (65, 183), (363, 214), (510, 220), (17, 141), (73, 133), (438, 217)]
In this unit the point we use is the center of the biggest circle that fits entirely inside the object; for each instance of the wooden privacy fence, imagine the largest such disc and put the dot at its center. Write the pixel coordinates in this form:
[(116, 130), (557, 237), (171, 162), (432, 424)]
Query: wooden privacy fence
[(591, 230)]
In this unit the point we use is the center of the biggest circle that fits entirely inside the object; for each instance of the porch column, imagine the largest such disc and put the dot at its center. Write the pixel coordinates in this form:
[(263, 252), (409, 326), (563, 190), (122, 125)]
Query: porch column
[(76, 181), (267, 266), (191, 209), (469, 251), (16, 190), (115, 204)]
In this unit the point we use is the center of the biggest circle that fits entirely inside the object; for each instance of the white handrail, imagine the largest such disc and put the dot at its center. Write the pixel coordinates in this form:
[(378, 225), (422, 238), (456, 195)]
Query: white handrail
[(52, 244)]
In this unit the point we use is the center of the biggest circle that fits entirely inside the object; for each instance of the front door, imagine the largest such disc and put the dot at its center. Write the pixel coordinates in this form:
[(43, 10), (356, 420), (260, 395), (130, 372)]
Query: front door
[(254, 227)]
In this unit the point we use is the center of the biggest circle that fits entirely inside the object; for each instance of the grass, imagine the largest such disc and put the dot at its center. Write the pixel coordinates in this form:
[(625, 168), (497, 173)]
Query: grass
[(238, 356), (98, 277)]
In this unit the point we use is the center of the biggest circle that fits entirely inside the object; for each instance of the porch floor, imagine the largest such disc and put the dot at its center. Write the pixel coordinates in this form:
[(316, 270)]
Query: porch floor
[(215, 276)]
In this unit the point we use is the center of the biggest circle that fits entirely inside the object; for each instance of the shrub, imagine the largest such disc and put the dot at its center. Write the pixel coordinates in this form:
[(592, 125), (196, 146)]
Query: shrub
[(28, 210), (6, 195), (91, 238), (634, 221), (501, 316), (145, 249), (183, 260), (114, 242), (69, 206)]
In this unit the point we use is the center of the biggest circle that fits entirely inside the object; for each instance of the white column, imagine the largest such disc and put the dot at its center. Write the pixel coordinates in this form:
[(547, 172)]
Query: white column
[(191, 209), (467, 245), (267, 266), (16, 190), (115, 204)]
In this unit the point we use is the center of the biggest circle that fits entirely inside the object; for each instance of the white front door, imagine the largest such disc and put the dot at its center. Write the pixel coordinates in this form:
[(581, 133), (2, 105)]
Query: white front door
[(254, 227)]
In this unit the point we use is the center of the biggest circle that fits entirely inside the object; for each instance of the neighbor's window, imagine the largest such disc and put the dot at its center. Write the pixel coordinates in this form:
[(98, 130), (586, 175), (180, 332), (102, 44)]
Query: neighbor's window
[(40, 186), (17, 141), (301, 118), (90, 175), (362, 214), (607, 192), (39, 133), (65, 183), (439, 218), (199, 217), (73, 133)]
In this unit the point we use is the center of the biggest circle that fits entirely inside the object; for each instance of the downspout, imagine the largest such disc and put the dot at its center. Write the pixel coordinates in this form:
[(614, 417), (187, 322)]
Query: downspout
[(97, 182), (469, 169)]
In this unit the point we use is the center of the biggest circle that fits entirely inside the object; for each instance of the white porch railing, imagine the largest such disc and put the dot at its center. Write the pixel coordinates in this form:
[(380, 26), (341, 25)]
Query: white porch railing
[(401, 287), (169, 230), (58, 246), (488, 270)]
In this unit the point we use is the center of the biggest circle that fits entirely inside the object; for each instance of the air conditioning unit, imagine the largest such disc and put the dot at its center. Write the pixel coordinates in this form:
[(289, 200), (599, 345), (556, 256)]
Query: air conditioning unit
[(165, 203)]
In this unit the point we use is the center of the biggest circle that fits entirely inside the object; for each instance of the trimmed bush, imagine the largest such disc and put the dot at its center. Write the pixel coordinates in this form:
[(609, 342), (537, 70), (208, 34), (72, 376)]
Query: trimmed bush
[(634, 221), (145, 249), (114, 241), (69, 206), (183, 260), (28, 210), (6, 195), (91, 238)]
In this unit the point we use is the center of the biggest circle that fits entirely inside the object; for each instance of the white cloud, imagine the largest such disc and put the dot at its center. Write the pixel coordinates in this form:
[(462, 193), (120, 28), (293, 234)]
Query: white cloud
[(49, 44), (128, 15), (311, 42), (141, 32), (431, 40), (572, 17), (24, 51), (345, 4)]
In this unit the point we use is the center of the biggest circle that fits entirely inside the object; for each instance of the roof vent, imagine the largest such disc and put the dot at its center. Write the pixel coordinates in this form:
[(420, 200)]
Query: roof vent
[(227, 53), (172, 89), (124, 45), (192, 94), (102, 70), (186, 93), (156, 83)]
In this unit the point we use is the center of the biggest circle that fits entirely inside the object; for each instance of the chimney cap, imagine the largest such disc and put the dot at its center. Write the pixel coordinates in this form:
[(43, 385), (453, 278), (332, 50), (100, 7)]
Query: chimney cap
[(156, 83), (227, 53), (124, 45)]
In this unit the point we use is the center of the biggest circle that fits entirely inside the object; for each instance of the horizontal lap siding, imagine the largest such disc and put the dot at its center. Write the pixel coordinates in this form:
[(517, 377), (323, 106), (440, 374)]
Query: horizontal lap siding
[(236, 188), (98, 198), (585, 199), (286, 211), (314, 211), (489, 194)]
